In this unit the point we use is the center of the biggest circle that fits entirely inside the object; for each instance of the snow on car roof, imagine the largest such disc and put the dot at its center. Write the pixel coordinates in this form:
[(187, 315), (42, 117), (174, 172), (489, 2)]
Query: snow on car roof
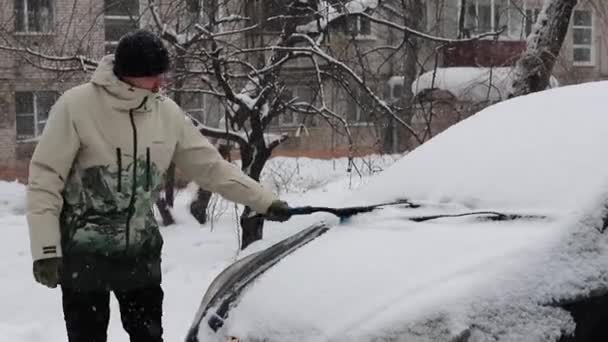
[(468, 83), (382, 276)]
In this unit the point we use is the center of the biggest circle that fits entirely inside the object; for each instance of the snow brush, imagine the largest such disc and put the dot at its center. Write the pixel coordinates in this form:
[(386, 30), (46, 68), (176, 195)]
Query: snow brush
[(345, 213)]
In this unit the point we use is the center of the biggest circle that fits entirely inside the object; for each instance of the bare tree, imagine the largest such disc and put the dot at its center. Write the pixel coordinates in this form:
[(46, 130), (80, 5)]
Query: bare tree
[(242, 56)]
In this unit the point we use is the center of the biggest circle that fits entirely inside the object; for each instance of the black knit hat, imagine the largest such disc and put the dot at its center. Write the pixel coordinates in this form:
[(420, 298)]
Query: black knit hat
[(140, 53)]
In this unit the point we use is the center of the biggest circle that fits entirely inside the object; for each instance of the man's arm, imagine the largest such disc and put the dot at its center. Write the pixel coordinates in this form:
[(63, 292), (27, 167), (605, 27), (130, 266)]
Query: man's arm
[(49, 169), (201, 162)]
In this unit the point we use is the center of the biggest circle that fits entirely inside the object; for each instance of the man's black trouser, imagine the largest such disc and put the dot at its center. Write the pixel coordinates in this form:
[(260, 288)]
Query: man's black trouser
[(87, 314)]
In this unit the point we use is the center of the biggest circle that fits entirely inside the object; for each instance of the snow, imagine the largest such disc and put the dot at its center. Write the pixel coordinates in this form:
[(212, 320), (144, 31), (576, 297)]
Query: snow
[(193, 254), (246, 100), (330, 13), (468, 83), (380, 277), (499, 157)]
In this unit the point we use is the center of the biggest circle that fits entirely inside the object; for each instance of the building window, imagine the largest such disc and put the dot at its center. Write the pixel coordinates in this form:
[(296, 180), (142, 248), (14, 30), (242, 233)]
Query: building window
[(196, 15), (205, 108), (359, 26), (360, 111), (32, 111), (300, 97), (582, 38), (120, 17), (195, 10), (482, 16), (34, 16), (531, 18)]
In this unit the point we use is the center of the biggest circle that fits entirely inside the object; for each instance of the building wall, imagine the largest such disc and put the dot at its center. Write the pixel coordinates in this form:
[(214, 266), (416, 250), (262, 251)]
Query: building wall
[(443, 21), (77, 29), (570, 73)]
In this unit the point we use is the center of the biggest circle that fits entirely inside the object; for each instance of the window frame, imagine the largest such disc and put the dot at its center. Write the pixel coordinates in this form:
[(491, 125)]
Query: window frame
[(195, 103), (531, 19), (367, 36), (127, 18), (591, 46), (26, 20), (298, 93), (356, 20), (358, 106), (36, 114), (195, 18), (508, 34)]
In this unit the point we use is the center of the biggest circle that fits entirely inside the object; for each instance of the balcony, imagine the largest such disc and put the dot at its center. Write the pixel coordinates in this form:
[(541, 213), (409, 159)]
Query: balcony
[(484, 53)]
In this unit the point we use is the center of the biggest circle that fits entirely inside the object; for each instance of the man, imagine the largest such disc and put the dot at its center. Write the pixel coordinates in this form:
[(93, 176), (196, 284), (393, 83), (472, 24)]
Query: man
[(94, 178)]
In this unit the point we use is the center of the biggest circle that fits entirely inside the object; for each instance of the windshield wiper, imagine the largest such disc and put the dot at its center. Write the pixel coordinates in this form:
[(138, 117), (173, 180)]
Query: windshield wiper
[(491, 215), (348, 212)]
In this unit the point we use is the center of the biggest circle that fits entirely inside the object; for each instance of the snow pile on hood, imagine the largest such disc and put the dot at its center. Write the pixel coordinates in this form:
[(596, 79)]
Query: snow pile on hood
[(538, 151), (12, 198), (330, 13), (469, 83), (382, 277)]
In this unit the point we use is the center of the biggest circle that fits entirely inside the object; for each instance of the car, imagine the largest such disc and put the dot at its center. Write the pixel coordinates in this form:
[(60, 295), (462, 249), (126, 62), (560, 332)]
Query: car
[(491, 231)]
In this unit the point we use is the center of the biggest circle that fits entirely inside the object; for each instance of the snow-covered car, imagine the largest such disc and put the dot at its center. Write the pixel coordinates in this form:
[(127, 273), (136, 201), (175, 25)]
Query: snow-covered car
[(498, 236)]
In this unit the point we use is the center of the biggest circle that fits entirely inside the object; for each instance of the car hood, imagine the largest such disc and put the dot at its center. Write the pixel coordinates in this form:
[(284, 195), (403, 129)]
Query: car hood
[(382, 276)]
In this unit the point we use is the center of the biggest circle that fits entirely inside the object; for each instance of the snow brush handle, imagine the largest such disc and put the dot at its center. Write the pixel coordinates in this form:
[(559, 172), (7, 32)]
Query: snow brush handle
[(293, 211), (302, 211)]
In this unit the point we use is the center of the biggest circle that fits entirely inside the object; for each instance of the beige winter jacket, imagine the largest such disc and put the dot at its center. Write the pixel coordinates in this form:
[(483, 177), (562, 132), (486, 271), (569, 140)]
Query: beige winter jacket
[(97, 170)]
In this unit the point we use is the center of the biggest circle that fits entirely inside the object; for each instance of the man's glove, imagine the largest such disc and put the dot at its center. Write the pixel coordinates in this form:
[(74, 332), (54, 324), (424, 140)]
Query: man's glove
[(46, 271), (278, 211)]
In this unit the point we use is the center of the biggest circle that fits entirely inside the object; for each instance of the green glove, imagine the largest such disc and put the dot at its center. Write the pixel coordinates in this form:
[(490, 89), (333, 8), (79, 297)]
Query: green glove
[(278, 211), (46, 271)]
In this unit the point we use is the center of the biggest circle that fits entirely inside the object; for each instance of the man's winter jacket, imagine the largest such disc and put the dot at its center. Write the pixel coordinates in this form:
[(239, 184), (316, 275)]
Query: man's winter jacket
[(97, 172)]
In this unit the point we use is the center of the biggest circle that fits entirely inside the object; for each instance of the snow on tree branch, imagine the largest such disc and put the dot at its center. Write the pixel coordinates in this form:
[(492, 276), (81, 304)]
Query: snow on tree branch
[(239, 138), (84, 63), (329, 13), (362, 84)]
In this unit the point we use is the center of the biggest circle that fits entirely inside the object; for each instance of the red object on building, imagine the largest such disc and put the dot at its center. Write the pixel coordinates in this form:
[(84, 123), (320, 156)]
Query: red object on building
[(483, 53)]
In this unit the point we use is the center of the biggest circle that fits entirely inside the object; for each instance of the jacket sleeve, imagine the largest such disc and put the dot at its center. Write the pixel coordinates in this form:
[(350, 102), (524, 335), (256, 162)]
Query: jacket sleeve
[(48, 171), (200, 161)]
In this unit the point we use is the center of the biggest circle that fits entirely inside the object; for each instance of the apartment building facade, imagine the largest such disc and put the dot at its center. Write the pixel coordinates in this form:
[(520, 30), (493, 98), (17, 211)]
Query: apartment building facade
[(29, 84)]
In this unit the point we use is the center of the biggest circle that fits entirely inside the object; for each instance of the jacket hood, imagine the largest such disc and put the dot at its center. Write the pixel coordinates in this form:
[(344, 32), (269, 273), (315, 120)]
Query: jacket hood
[(123, 97)]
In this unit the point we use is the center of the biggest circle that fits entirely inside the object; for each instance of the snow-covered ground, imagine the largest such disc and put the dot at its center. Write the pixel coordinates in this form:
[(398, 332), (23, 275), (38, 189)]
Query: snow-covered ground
[(193, 254)]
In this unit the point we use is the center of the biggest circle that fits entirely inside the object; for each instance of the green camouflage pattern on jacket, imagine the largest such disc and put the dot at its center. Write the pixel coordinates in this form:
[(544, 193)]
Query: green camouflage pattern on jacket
[(96, 209)]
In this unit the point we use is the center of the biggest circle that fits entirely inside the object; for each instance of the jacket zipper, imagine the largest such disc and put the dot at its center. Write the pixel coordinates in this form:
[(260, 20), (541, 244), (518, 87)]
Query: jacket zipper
[(131, 208), (148, 180), (119, 162)]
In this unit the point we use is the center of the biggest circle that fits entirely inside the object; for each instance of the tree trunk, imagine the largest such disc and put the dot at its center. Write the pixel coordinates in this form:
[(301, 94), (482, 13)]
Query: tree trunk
[(533, 70), (414, 19), (166, 201), (198, 207), (254, 159), (165, 213)]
